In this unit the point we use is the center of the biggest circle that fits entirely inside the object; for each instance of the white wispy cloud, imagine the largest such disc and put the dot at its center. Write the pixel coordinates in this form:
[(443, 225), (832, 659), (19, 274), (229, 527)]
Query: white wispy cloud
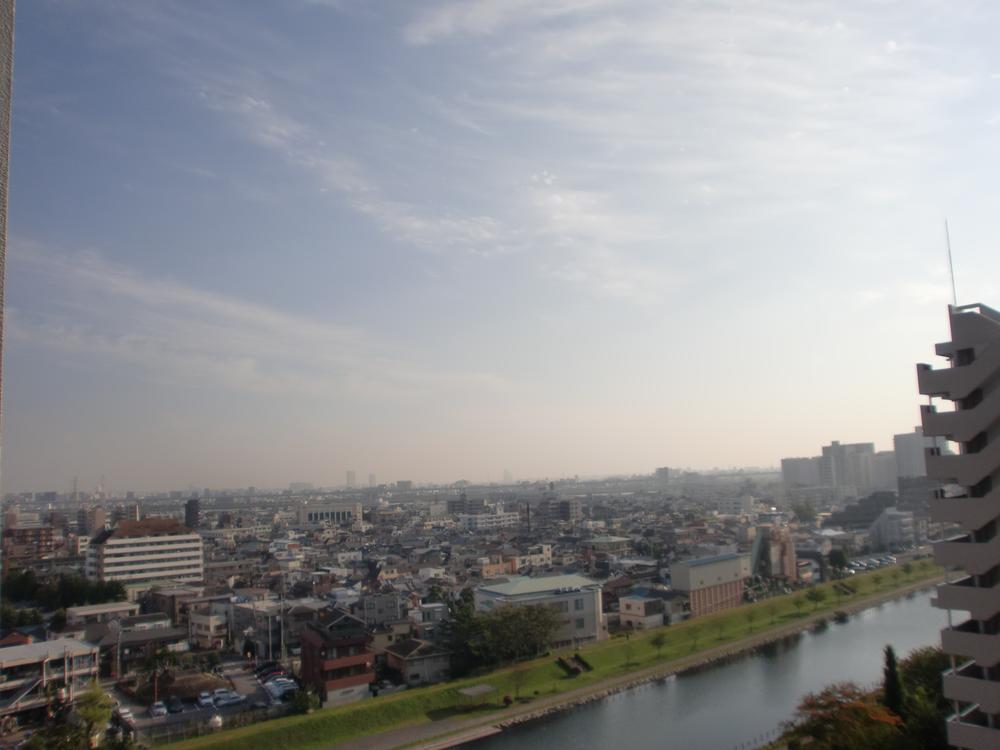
[(665, 122), (180, 334), (484, 17), (434, 231)]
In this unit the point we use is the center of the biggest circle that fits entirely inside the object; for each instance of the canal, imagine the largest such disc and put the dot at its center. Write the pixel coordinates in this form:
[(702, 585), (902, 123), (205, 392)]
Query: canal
[(734, 704)]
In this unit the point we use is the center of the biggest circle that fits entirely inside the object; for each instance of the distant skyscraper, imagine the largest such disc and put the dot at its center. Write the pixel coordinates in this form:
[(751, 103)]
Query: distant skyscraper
[(371, 480), (351, 479), (847, 468), (192, 513), (910, 448), (971, 500), (800, 472)]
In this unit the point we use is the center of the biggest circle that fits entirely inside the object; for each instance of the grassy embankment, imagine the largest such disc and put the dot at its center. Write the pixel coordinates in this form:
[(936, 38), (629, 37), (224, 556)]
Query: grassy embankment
[(542, 677)]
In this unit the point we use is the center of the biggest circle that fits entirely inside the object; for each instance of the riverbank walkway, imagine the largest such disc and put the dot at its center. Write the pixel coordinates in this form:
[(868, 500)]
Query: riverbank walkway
[(451, 732)]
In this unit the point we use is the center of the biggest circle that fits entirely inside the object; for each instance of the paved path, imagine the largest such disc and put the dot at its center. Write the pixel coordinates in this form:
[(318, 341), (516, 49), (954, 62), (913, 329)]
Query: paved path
[(446, 733)]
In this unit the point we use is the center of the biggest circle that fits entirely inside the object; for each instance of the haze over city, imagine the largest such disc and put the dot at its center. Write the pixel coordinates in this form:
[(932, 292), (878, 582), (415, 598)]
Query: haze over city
[(257, 243)]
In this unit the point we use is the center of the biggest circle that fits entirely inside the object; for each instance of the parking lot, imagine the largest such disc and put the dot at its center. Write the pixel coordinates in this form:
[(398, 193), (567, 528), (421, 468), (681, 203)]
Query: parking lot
[(241, 681)]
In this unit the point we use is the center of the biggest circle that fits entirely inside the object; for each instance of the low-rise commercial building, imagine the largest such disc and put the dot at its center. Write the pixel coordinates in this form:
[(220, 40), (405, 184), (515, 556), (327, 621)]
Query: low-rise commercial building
[(577, 599), (208, 631), (29, 672), (90, 613), (489, 521), (319, 512), (712, 583), (419, 662), (640, 612)]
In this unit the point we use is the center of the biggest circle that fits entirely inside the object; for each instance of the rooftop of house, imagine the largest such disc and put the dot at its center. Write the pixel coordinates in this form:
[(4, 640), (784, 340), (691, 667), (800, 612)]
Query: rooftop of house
[(413, 648), (146, 619), (699, 561), (523, 585), (97, 609), (35, 652)]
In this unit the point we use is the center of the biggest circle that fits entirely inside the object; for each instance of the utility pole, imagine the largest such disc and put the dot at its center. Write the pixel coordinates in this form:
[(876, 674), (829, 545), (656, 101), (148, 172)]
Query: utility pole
[(281, 622), (6, 83)]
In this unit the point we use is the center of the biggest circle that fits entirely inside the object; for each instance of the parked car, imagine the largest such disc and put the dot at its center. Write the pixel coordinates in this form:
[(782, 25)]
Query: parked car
[(157, 709), (268, 674), (221, 691), (205, 700), (229, 699), (265, 666), (175, 705), (124, 716)]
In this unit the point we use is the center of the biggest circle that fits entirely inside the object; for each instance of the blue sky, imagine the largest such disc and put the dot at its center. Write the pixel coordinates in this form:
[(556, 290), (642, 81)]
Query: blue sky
[(255, 242)]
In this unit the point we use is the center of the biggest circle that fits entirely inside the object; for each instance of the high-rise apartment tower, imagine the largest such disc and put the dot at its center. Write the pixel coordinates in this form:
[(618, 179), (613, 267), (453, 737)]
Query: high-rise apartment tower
[(970, 499)]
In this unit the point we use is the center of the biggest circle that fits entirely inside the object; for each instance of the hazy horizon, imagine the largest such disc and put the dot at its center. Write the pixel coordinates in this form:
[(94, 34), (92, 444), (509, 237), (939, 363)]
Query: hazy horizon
[(257, 243)]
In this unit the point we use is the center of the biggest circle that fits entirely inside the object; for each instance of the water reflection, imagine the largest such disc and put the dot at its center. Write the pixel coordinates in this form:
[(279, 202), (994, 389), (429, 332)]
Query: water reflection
[(723, 705)]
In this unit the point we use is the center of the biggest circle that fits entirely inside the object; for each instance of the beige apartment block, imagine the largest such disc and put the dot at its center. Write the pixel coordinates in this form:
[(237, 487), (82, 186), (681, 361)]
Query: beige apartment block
[(964, 409)]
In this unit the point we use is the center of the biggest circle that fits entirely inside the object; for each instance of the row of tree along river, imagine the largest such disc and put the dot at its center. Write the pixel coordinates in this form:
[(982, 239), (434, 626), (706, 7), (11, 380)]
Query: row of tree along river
[(740, 703)]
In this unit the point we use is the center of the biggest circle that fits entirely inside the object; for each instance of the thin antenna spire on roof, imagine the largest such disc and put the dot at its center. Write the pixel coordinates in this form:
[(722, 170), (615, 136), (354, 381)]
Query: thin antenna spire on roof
[(951, 266)]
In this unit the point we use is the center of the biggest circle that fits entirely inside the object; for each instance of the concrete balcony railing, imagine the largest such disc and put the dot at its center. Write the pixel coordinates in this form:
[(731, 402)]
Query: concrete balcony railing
[(963, 425), (981, 603), (965, 642), (967, 686), (967, 469), (349, 661), (960, 552), (968, 730), (958, 382), (971, 513), (341, 683)]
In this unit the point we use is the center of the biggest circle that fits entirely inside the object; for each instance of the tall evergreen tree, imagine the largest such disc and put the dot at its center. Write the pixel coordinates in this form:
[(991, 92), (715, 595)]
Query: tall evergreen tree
[(892, 687)]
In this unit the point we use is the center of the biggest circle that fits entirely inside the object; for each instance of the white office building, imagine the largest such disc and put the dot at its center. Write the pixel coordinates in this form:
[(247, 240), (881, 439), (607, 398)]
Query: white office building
[(577, 599), (488, 521), (322, 512)]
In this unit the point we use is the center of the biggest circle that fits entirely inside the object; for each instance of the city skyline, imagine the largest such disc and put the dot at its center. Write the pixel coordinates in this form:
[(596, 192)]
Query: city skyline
[(257, 245)]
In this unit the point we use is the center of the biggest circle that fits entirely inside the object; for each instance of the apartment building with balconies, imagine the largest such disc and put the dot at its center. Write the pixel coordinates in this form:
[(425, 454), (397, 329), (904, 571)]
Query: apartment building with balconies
[(970, 499), (146, 552)]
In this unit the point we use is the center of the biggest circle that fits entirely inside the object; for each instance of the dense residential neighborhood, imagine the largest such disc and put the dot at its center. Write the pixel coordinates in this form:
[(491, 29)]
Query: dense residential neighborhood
[(239, 606)]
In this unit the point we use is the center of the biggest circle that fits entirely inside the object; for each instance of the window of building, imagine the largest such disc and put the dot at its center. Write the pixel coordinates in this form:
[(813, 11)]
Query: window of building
[(578, 605), (579, 623)]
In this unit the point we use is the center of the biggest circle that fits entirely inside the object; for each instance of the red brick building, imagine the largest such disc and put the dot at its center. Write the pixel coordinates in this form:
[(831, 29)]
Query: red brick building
[(337, 660)]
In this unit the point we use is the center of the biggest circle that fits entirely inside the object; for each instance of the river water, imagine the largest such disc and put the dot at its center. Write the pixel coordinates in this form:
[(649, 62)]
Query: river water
[(737, 703)]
